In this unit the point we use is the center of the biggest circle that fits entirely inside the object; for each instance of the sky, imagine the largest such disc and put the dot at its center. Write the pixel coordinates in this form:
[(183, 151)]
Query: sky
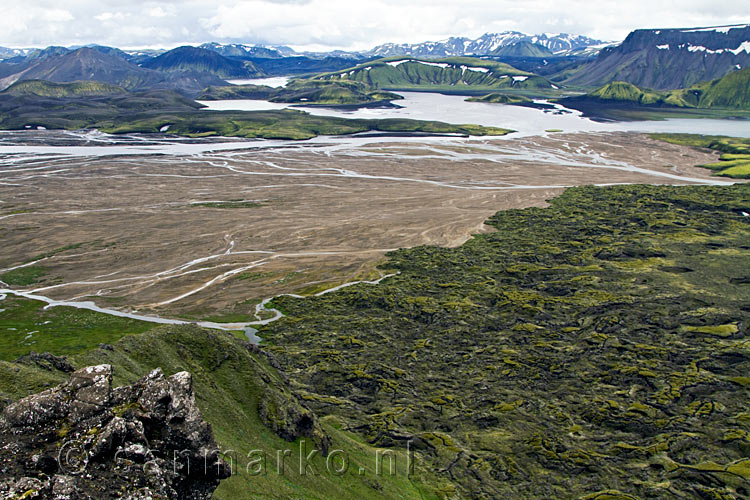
[(338, 24)]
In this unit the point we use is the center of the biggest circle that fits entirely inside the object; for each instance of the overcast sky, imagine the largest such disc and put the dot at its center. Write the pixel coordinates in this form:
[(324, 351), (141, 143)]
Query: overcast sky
[(338, 24)]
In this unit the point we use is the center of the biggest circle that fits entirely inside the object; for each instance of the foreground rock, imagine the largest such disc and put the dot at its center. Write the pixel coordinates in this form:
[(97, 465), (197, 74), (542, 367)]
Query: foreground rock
[(85, 439)]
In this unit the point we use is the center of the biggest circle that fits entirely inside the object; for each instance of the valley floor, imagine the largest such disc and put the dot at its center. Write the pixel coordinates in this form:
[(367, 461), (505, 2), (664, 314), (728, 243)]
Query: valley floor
[(204, 234)]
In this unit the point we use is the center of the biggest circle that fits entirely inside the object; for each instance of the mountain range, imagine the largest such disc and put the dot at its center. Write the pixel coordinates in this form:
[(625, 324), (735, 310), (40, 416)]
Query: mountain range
[(668, 58), (658, 59), (88, 64), (489, 44)]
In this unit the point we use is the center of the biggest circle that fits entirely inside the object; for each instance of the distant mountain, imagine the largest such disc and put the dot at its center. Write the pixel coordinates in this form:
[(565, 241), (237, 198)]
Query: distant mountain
[(196, 59), (142, 55), (87, 64), (489, 43), (112, 51), (241, 50), (6, 53), (523, 49), (668, 58), (456, 74)]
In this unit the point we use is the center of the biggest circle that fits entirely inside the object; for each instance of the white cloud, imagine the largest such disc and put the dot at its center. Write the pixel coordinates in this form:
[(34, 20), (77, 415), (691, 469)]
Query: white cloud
[(344, 24)]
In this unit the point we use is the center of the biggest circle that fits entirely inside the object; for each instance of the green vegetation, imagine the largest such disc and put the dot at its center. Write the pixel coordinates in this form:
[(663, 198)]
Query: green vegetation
[(307, 93), (596, 348), (730, 93), (500, 99), (56, 251), (160, 111), (51, 89), (23, 276), (231, 92), (734, 161), (454, 73), (25, 326), (249, 404)]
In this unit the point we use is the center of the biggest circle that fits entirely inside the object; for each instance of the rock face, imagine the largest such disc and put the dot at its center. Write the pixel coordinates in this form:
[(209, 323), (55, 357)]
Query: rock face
[(85, 439), (669, 58)]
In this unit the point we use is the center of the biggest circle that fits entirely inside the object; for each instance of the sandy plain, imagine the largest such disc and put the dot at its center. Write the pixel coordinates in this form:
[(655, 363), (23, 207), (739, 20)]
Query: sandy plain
[(154, 232)]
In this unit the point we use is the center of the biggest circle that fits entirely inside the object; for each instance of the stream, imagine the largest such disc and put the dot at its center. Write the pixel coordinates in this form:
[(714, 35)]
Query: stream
[(248, 327)]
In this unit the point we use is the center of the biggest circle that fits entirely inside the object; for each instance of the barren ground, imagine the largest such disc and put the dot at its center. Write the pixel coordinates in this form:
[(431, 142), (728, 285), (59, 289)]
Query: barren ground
[(327, 214)]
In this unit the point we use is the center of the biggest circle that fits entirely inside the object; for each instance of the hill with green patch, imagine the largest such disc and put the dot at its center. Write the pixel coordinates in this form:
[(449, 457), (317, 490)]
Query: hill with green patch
[(731, 93), (455, 74), (500, 99), (305, 92), (44, 88)]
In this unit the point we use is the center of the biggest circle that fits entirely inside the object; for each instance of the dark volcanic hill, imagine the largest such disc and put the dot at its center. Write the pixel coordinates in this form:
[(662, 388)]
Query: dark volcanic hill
[(87, 64), (669, 58), (196, 59)]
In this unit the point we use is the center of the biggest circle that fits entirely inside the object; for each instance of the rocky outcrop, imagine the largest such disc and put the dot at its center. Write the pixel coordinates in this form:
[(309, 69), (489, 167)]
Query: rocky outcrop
[(85, 439)]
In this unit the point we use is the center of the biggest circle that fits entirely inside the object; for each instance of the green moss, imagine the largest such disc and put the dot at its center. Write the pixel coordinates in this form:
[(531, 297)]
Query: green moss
[(565, 339), (715, 330), (24, 276)]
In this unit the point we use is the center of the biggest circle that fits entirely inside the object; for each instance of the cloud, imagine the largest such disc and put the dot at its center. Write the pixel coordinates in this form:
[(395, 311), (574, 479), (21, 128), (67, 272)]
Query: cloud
[(339, 24)]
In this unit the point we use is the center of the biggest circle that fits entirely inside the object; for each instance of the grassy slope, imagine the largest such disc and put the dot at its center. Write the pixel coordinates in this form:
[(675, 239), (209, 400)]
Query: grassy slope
[(424, 75), (734, 161), (731, 91), (26, 326), (52, 89), (730, 95), (230, 380), (598, 344)]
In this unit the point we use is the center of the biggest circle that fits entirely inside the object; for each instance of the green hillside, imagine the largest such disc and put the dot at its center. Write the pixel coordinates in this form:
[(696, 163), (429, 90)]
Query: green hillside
[(323, 92), (250, 406), (728, 96), (305, 92), (731, 91), (44, 88), (454, 73)]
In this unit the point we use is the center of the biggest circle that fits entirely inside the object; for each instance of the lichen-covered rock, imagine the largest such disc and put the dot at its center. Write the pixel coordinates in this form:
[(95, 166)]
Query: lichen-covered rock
[(84, 439)]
